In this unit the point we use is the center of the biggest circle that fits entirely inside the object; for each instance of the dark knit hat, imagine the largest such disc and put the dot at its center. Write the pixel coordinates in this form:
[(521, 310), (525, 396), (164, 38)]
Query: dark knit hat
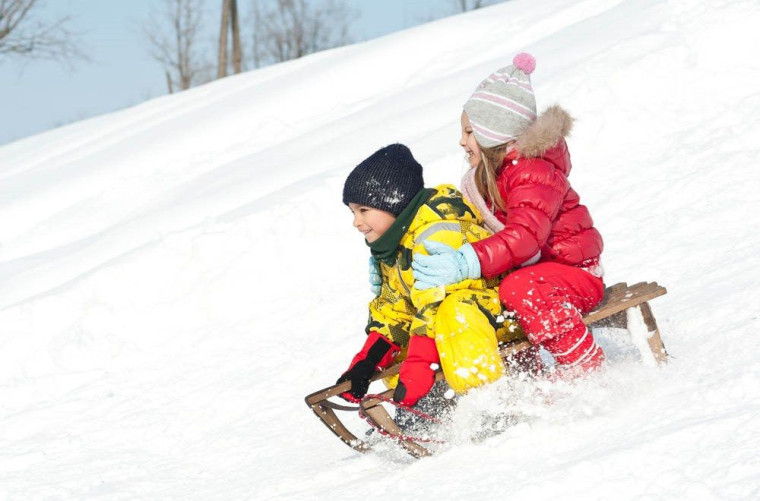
[(387, 180)]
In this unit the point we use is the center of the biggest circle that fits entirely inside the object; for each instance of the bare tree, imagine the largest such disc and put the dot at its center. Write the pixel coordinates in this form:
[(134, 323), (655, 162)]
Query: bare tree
[(229, 23), (173, 34), (467, 5), (256, 51), (23, 34), (295, 28)]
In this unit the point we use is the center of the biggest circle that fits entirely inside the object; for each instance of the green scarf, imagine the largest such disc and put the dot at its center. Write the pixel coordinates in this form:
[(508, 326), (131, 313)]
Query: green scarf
[(384, 248)]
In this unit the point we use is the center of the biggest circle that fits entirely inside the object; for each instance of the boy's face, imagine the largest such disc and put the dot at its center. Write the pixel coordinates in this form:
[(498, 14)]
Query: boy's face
[(372, 223)]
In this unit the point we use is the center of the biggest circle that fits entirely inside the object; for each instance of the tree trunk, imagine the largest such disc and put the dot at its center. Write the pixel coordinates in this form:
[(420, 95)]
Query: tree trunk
[(169, 82), (237, 52), (222, 68)]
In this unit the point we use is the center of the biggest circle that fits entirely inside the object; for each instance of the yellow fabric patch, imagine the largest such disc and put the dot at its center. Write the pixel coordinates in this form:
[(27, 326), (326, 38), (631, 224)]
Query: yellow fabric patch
[(467, 334)]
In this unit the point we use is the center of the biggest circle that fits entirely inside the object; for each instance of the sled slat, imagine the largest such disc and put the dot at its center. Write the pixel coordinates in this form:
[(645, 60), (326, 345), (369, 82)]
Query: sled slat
[(655, 341), (622, 298), (614, 291), (324, 409), (335, 390), (382, 420), (328, 417), (510, 349)]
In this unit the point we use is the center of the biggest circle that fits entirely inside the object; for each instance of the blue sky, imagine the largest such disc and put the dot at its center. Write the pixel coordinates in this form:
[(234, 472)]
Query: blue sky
[(39, 95)]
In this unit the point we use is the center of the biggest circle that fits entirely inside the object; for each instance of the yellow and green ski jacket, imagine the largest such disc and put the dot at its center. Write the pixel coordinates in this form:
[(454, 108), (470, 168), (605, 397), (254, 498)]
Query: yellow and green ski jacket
[(401, 310)]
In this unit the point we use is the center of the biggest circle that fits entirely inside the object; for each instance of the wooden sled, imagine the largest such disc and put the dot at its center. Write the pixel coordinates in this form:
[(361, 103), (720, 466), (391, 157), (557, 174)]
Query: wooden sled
[(623, 306)]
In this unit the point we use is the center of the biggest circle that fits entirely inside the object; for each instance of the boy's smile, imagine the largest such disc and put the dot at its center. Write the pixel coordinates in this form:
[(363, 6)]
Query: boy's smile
[(372, 223)]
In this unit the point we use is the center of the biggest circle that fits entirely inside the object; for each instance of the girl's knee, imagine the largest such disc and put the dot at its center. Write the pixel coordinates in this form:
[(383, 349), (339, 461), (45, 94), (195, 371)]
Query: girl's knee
[(519, 291)]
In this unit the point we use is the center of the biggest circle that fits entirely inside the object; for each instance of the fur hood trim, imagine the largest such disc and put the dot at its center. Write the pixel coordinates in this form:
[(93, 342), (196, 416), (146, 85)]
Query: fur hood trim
[(552, 125)]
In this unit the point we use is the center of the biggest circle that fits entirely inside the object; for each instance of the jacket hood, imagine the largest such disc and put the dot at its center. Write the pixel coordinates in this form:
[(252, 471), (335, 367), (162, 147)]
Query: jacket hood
[(552, 125)]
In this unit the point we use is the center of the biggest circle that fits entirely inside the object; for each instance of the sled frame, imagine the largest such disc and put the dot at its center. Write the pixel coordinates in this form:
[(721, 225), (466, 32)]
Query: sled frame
[(620, 302)]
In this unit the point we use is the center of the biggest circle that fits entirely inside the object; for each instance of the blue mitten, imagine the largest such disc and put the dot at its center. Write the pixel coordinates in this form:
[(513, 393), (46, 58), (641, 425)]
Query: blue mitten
[(375, 278), (444, 265)]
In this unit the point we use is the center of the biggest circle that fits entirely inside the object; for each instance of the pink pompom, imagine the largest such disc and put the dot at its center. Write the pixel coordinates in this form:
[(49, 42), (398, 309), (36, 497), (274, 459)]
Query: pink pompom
[(525, 62)]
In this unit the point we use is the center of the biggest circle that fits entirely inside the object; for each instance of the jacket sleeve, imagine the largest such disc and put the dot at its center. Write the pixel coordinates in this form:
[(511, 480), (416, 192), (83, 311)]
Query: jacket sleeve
[(391, 314), (535, 191)]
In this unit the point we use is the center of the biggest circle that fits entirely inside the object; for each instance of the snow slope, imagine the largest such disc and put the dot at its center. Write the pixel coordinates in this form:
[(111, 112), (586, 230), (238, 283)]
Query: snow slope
[(176, 277)]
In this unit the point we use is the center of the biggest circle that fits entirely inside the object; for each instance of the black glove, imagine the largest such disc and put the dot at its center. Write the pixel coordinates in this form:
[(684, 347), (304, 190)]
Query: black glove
[(377, 353)]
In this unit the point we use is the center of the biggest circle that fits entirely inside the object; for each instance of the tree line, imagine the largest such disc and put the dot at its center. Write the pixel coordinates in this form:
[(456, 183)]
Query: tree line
[(273, 31), (276, 31)]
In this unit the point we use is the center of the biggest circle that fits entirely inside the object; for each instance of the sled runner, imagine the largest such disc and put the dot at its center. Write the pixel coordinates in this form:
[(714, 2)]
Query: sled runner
[(623, 306)]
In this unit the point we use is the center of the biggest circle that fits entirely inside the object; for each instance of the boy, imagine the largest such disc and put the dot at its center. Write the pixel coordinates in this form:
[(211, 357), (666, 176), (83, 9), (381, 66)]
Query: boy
[(457, 326)]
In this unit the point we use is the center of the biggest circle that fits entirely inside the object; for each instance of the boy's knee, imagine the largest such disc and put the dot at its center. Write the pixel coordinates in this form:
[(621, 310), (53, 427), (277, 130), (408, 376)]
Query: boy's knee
[(454, 304), (466, 342)]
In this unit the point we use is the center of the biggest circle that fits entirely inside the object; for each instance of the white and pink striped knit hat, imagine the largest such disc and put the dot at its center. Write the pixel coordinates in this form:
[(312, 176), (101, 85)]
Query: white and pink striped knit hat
[(503, 105)]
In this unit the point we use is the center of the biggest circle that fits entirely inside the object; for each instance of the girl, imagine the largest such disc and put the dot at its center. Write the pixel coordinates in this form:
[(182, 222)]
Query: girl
[(518, 181)]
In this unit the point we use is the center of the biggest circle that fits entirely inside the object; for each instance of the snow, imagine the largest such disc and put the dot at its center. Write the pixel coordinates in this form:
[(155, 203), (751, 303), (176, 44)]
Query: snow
[(176, 277), (640, 335)]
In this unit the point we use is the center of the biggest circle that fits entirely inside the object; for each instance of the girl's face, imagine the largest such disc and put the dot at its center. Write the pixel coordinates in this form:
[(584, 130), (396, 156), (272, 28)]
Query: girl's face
[(468, 142), (372, 223)]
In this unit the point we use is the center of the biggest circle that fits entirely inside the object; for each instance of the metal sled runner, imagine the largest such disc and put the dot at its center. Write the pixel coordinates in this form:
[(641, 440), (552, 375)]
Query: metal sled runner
[(623, 306)]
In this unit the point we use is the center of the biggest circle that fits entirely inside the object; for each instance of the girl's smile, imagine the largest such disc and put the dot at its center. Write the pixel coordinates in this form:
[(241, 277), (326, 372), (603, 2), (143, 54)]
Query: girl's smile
[(468, 142)]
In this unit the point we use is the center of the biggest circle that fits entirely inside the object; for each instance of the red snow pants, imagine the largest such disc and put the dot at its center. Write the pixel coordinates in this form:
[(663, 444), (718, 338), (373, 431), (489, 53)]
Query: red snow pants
[(549, 300)]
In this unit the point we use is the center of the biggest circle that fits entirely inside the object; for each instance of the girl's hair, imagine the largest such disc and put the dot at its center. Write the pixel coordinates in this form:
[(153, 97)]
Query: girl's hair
[(491, 160)]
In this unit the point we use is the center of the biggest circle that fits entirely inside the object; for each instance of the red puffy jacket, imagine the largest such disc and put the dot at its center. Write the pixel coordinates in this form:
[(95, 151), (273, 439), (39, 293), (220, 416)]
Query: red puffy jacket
[(544, 220)]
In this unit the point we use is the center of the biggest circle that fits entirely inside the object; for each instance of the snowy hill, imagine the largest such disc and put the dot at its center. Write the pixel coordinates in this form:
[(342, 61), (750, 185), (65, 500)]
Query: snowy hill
[(176, 277)]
